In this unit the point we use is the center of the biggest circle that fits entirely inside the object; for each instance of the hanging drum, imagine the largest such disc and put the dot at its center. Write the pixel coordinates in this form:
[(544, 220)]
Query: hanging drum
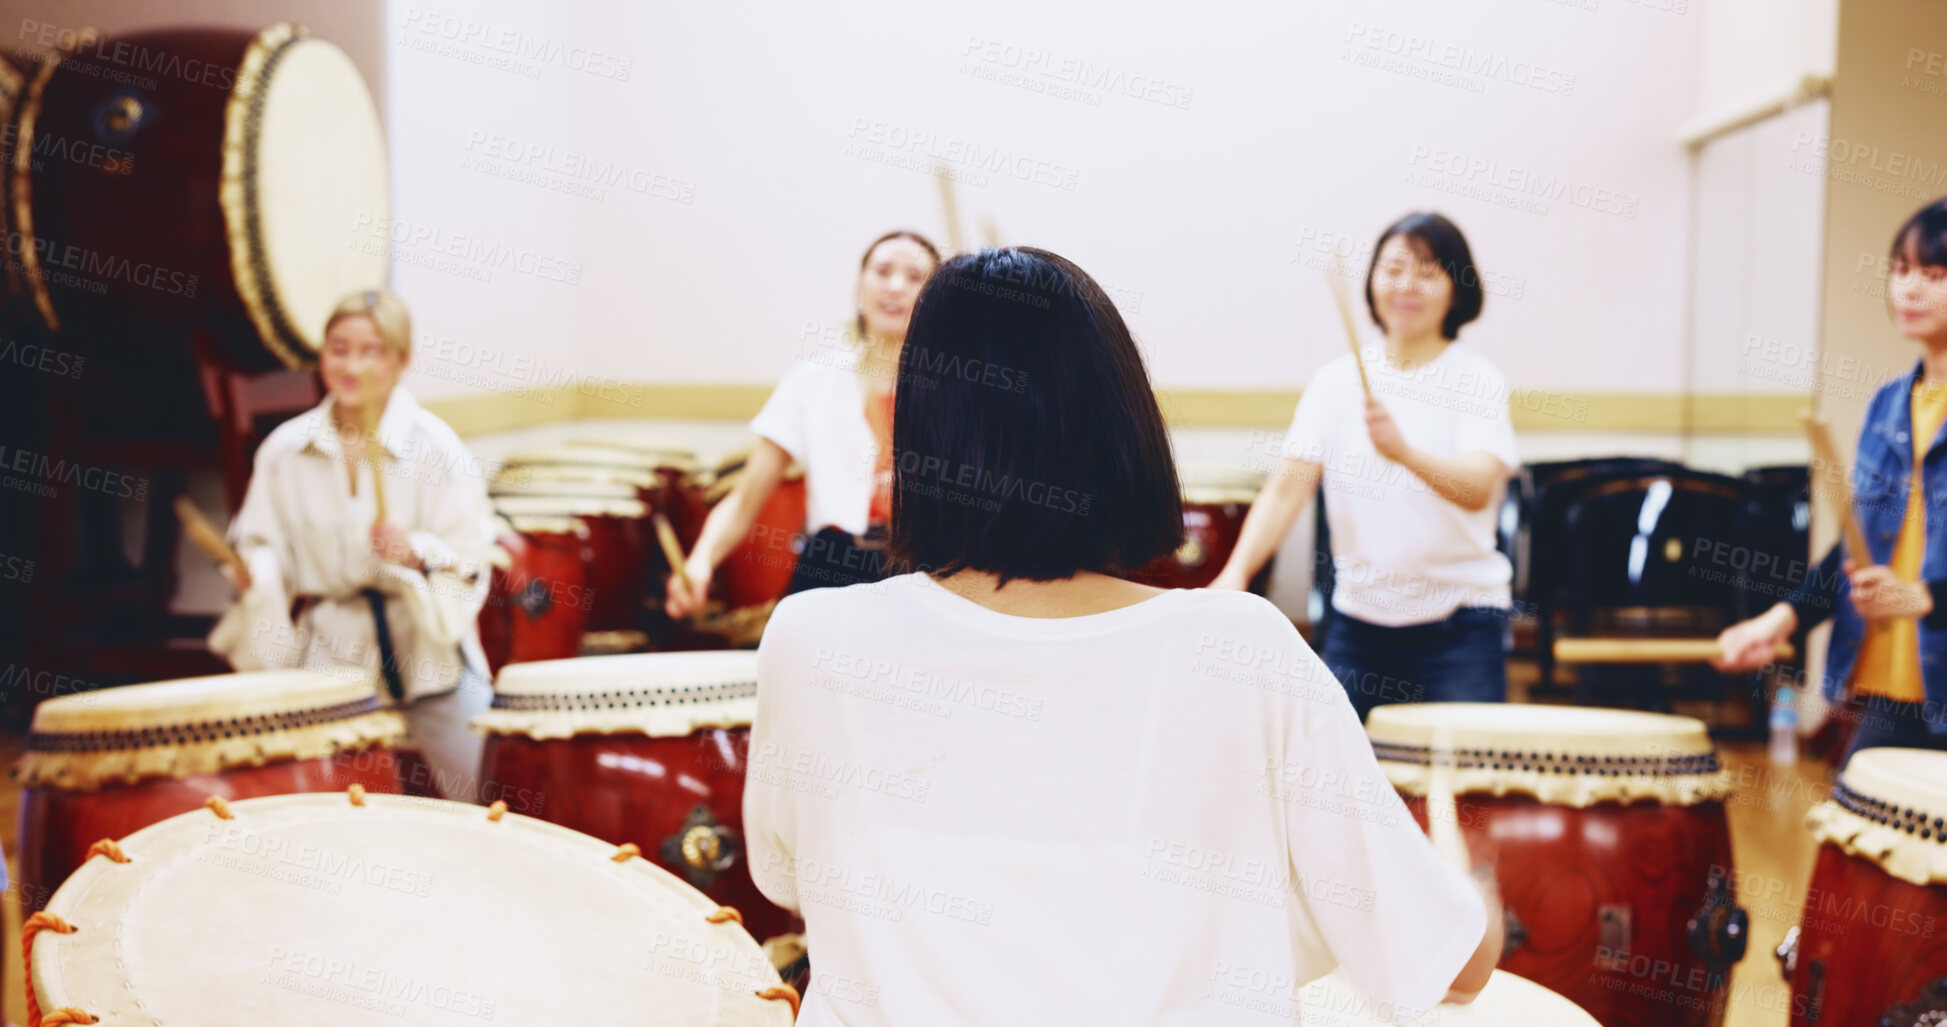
[(258, 171)]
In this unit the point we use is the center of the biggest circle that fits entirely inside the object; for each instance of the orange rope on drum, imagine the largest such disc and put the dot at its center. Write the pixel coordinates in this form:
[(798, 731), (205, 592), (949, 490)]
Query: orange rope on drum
[(496, 811), (627, 852), (106, 847), (357, 793), (216, 805), (785, 992), (724, 914), (35, 924)]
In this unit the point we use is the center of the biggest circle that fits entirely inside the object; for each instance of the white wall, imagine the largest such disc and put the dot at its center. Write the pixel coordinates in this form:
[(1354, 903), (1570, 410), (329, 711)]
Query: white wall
[(756, 139)]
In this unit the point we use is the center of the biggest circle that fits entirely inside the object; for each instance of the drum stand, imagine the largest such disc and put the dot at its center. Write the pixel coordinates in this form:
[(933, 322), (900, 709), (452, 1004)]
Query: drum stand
[(91, 614)]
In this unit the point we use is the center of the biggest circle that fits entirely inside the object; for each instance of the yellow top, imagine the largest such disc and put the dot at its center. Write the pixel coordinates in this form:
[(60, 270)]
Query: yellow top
[(1889, 656)]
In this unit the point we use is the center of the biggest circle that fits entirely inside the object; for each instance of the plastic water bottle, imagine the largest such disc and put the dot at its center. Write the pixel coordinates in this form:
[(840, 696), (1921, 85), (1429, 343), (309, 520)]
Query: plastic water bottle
[(1784, 727)]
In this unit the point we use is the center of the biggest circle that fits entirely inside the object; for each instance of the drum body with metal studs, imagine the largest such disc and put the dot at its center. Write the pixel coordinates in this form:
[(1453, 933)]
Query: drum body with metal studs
[(537, 603), (1507, 1001), (1607, 834), (621, 541), (345, 909), (234, 181), (1871, 945), (104, 764), (649, 748)]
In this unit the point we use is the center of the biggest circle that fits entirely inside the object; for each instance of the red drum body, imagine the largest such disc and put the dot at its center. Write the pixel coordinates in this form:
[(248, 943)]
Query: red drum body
[(616, 566), (1609, 842), (760, 568), (537, 606), (209, 178), (106, 764), (1215, 503), (1871, 946), (646, 748)]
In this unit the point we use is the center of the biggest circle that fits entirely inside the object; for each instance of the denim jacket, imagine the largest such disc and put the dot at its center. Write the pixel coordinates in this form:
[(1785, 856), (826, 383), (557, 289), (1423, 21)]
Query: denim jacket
[(1880, 476)]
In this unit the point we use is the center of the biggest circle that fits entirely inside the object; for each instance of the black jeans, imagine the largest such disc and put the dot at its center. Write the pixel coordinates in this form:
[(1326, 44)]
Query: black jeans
[(833, 559), (1463, 658)]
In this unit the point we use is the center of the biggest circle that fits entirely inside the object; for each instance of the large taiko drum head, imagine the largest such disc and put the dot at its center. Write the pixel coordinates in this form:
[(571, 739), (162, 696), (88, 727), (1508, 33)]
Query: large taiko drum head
[(1507, 1001), (322, 911), (1872, 941), (103, 764), (243, 188), (1608, 837), (650, 748)]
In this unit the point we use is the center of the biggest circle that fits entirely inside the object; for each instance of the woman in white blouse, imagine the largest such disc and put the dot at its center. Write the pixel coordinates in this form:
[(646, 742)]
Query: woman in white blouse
[(832, 415), (393, 596), (1414, 475), (1014, 788)]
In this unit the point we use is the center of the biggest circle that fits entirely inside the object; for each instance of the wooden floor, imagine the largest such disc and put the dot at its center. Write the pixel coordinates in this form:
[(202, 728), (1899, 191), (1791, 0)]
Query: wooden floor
[(1773, 852)]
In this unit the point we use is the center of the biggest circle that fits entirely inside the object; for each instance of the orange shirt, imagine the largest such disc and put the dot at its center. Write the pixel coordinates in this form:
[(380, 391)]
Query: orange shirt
[(1889, 655), (878, 414)]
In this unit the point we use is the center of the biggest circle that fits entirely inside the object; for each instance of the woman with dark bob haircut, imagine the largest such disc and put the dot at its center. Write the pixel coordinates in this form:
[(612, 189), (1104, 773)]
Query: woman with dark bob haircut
[(1414, 474), (1893, 676), (1010, 787)]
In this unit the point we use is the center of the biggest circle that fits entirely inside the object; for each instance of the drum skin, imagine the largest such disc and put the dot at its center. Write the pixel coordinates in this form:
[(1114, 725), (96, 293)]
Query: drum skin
[(1558, 866), (165, 214), (625, 787), (1867, 942), (57, 826), (536, 608)]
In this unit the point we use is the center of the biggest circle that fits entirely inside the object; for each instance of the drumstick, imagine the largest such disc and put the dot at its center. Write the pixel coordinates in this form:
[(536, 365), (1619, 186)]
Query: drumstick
[(672, 549), (1442, 818), (1647, 650), (949, 208), (990, 231), (204, 536), (1335, 280), (366, 379), (1824, 452)]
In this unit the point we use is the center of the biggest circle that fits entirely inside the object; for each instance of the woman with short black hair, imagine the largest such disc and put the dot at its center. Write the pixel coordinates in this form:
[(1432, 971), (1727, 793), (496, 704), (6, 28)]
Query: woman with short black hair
[(1012, 787), (1414, 473)]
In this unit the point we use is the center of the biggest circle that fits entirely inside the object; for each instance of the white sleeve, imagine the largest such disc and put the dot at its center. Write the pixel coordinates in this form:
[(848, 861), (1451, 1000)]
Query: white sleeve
[(256, 632), (1487, 426), (770, 816), (784, 415), (1399, 920), (1312, 424)]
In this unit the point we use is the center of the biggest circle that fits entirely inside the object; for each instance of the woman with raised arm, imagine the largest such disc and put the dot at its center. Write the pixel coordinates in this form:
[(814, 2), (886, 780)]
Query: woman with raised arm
[(1414, 471)]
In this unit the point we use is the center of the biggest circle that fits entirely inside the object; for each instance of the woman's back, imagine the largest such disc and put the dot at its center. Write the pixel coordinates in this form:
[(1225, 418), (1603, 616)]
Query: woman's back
[(1163, 813)]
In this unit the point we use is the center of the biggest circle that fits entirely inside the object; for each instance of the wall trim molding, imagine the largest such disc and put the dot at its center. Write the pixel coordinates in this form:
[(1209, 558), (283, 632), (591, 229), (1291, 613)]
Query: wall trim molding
[(1534, 410)]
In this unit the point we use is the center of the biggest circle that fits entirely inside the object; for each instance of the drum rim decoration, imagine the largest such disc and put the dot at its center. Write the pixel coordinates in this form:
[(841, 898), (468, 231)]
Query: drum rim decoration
[(76, 745), (27, 120), (1679, 768), (524, 702), (1874, 815), (62, 924), (237, 195)]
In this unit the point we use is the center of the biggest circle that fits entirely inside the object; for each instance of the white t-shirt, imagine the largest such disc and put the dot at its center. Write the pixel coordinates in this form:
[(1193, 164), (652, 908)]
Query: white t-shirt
[(1403, 554), (1163, 814), (817, 414)]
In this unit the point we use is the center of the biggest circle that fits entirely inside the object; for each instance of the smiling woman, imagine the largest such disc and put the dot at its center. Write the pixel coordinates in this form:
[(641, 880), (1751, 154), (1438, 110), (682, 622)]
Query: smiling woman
[(831, 415), (1413, 475)]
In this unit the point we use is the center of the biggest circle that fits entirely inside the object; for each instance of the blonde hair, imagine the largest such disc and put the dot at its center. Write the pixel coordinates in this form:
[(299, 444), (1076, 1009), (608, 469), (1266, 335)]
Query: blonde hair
[(387, 313)]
